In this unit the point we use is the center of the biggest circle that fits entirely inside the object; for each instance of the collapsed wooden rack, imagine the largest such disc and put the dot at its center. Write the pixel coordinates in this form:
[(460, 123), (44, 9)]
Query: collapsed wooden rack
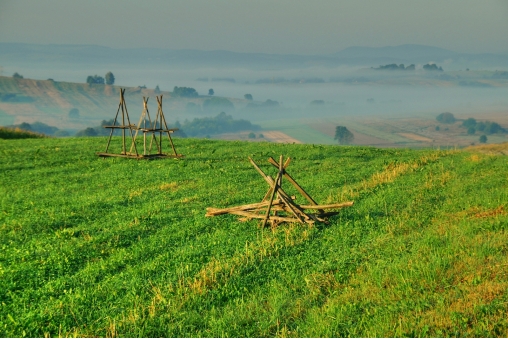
[(147, 127), (277, 206)]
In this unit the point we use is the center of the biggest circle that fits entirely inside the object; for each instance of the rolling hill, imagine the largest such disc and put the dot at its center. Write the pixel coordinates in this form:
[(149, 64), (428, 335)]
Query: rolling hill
[(49, 101)]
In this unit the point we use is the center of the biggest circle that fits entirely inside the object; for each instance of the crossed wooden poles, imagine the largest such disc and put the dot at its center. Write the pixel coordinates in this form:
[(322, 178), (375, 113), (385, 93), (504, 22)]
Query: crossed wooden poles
[(146, 126), (277, 206)]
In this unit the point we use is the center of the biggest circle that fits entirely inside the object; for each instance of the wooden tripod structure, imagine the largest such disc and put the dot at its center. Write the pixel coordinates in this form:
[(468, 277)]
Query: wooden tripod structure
[(122, 106), (277, 206), (146, 126)]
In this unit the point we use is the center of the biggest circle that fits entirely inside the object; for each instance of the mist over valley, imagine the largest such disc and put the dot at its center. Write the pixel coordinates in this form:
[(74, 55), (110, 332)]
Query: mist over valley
[(387, 96)]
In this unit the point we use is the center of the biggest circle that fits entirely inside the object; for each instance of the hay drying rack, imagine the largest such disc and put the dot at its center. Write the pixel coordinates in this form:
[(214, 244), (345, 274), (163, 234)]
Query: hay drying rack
[(277, 206), (147, 127)]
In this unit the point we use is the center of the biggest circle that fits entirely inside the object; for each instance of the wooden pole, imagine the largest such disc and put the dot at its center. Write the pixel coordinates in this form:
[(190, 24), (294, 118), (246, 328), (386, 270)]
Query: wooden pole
[(163, 119), (130, 128), (114, 122), (124, 150), (294, 183)]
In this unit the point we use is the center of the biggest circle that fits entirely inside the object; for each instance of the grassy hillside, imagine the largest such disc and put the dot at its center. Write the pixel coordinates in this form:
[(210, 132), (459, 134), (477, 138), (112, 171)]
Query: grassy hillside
[(118, 247), (50, 101)]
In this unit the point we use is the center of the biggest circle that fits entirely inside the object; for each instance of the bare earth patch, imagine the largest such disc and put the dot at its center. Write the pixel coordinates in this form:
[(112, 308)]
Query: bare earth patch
[(416, 137), (277, 136), (272, 136), (369, 140)]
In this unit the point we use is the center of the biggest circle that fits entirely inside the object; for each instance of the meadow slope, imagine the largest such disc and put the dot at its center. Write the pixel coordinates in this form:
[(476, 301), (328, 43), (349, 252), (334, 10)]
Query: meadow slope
[(119, 247)]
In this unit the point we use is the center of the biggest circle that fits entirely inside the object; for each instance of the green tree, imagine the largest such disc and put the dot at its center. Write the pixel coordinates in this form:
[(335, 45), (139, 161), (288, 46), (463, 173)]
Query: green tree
[(17, 76), (95, 79), (217, 104), (470, 122), (211, 92), (87, 132), (110, 78), (248, 97), (471, 130), (157, 90), (185, 92), (432, 67), (446, 118), (343, 135), (483, 138), (25, 126), (493, 127)]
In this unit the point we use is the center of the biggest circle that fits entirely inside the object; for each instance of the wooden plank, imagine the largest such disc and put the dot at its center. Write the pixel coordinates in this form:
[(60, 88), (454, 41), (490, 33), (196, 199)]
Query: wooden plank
[(320, 207), (120, 127), (293, 182), (275, 187), (260, 216), (218, 211)]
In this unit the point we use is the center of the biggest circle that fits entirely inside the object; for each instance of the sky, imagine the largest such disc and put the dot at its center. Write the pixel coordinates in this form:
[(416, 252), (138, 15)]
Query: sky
[(259, 26)]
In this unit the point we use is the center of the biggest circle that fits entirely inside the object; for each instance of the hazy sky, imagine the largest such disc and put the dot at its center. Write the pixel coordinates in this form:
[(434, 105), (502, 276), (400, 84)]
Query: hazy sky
[(267, 26)]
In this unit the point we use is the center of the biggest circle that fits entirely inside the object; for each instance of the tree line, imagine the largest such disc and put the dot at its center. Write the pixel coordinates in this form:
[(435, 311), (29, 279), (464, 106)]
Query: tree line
[(109, 79)]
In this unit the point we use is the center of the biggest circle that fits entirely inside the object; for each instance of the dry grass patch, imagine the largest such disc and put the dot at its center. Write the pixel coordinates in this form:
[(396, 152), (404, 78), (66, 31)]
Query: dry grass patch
[(168, 186), (490, 148)]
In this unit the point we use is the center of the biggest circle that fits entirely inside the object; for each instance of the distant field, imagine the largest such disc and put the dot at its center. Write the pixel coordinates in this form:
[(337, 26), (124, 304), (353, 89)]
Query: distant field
[(299, 130), (122, 248), (50, 102)]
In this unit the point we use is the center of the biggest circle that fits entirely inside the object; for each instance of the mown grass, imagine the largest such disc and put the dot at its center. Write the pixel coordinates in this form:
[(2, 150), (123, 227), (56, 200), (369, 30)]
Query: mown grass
[(119, 247)]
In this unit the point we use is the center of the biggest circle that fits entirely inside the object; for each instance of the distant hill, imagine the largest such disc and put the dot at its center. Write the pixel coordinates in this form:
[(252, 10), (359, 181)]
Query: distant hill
[(28, 54), (51, 101)]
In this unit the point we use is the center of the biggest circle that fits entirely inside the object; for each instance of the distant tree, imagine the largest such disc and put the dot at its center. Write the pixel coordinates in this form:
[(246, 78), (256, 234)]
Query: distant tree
[(74, 113), (483, 138), (110, 78), (87, 132), (480, 126), (410, 67), (157, 90), (390, 67), (317, 102), (446, 118), (252, 135), (210, 91), (270, 103), (217, 104), (185, 92), (471, 130), (248, 97), (470, 122), (493, 127), (94, 79), (25, 126), (222, 123), (17, 76), (261, 135), (343, 135), (432, 67), (438, 128), (61, 133)]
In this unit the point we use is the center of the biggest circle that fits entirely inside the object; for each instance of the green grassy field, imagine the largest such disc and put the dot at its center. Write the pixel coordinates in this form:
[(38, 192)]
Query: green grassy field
[(119, 247)]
